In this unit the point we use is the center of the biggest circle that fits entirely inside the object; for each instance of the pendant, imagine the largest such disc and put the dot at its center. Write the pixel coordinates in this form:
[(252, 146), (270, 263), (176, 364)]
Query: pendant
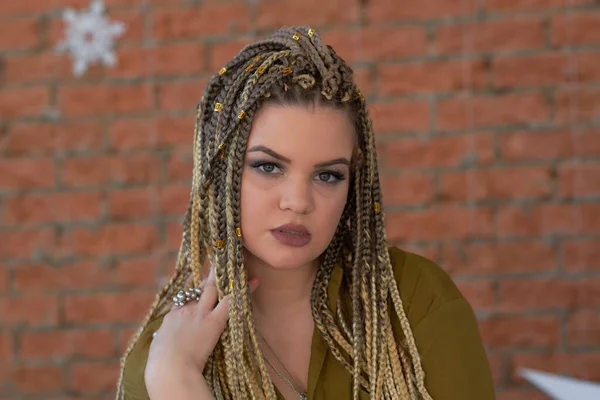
[(303, 396)]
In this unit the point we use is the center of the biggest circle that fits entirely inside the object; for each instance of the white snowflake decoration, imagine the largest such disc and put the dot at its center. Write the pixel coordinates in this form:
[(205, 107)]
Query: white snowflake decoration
[(90, 36)]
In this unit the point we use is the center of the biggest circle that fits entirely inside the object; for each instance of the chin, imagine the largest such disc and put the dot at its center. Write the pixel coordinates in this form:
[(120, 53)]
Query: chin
[(284, 257)]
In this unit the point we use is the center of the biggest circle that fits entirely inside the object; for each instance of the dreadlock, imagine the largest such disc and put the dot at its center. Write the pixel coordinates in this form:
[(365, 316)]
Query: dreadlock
[(292, 66)]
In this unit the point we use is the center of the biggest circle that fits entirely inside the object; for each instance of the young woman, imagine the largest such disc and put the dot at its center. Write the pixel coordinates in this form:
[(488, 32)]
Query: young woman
[(304, 299)]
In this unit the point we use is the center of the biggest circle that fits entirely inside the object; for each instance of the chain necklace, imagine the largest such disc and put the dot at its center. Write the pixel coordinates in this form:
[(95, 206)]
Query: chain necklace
[(301, 396)]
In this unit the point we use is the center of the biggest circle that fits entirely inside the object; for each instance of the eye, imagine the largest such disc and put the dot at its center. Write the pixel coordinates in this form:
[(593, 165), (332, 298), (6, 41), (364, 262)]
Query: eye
[(331, 177), (265, 167)]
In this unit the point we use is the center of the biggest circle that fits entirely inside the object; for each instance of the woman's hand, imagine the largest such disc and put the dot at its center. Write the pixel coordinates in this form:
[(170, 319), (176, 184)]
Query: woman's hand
[(186, 338)]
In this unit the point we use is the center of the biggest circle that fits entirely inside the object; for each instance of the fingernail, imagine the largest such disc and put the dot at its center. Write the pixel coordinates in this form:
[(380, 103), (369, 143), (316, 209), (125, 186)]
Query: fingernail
[(253, 280)]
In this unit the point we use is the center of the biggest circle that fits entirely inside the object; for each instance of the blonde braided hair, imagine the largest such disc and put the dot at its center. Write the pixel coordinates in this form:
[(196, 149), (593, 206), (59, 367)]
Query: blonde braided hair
[(292, 66)]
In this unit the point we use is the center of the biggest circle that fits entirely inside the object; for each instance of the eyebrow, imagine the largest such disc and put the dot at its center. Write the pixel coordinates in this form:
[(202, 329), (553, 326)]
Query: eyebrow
[(274, 154)]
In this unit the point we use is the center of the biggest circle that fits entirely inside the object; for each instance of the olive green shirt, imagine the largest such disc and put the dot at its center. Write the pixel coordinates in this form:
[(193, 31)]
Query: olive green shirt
[(443, 324)]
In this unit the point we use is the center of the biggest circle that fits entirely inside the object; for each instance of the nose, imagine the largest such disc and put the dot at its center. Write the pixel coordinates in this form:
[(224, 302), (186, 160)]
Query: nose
[(296, 195)]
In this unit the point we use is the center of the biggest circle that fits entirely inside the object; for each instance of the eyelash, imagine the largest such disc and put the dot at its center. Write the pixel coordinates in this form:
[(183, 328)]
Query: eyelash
[(338, 175)]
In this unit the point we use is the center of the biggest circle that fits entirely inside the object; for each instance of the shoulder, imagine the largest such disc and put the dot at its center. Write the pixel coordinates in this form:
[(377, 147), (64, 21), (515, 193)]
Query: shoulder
[(423, 285), (134, 384)]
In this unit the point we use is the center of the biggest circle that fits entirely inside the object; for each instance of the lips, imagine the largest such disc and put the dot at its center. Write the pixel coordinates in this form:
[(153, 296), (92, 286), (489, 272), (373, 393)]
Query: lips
[(293, 229)]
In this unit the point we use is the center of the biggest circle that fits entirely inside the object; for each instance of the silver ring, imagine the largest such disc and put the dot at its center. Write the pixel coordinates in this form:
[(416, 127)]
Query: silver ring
[(183, 297)]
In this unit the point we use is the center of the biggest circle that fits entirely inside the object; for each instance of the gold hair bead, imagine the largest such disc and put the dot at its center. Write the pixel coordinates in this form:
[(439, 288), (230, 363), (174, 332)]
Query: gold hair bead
[(311, 32), (377, 207), (238, 232), (361, 95), (287, 70), (249, 67), (261, 70), (242, 114), (296, 36), (218, 107), (255, 59), (231, 285), (222, 146), (220, 244), (222, 150), (222, 71)]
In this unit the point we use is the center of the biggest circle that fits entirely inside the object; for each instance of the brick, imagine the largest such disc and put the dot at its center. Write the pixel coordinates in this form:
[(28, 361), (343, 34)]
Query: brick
[(26, 243), (106, 307), (139, 271), (583, 328), (173, 199), (366, 44), (532, 294), (23, 102), (488, 111), (408, 188), (479, 293), (131, 203), (94, 100), (4, 278), (490, 36), (115, 238), (76, 274), (26, 173), (575, 28), (37, 379), (208, 20), (54, 207), (550, 144), (171, 59), (522, 5), (363, 77), (137, 133), (548, 218), (581, 254), (133, 133), (537, 70), (38, 67), (102, 170), (577, 104), (88, 377), (400, 115), (182, 95), (49, 138), (500, 257), (431, 76), (220, 53), (442, 222), (6, 348), (579, 180), (38, 6), (496, 183), (174, 234), (388, 10), (520, 331), (582, 365), (443, 151), (180, 164), (29, 310), (273, 15), (25, 33), (65, 344)]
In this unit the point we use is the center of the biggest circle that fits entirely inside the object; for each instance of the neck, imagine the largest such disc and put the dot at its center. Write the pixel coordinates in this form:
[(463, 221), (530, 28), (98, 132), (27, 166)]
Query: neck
[(281, 293)]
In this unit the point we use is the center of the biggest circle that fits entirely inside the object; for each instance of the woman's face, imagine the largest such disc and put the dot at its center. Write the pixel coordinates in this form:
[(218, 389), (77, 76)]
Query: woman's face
[(296, 171)]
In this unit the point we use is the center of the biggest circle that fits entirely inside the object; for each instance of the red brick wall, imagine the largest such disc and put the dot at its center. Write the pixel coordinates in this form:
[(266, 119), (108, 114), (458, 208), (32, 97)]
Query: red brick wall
[(488, 120)]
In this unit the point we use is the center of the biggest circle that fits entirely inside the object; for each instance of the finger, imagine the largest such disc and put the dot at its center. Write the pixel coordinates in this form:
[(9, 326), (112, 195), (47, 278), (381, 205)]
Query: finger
[(221, 313), (209, 296)]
